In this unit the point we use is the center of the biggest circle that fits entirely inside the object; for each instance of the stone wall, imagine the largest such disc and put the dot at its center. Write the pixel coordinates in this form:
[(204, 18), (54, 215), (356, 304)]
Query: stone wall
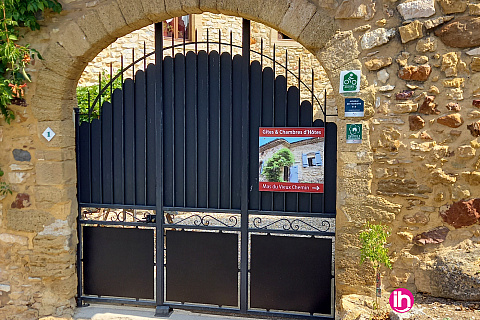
[(416, 170)]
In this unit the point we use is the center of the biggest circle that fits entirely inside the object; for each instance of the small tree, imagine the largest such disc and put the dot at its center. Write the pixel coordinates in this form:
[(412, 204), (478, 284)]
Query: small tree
[(373, 238), (273, 169)]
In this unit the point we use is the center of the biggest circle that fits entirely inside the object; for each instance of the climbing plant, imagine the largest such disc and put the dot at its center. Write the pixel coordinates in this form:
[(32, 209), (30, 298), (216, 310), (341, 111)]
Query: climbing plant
[(273, 168), (15, 57)]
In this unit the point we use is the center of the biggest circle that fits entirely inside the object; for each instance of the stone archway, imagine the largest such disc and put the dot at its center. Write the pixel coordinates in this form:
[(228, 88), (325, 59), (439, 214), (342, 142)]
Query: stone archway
[(42, 239)]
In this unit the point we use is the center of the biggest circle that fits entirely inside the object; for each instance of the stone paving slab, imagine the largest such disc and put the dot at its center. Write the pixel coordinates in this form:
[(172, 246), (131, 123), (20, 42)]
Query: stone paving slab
[(108, 312)]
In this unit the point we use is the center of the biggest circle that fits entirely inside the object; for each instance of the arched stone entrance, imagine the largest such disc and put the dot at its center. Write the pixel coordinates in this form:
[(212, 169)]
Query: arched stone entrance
[(43, 239)]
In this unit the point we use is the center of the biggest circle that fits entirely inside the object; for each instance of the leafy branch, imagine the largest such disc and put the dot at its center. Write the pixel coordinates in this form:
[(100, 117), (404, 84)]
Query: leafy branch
[(14, 58)]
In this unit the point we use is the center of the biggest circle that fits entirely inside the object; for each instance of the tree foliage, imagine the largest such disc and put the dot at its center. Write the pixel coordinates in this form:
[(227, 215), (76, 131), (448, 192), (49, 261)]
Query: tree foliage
[(373, 239), (14, 57), (91, 92), (273, 168)]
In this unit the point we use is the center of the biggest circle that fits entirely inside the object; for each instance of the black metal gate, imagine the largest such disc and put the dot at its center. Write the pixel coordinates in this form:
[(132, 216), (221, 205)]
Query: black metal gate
[(170, 212)]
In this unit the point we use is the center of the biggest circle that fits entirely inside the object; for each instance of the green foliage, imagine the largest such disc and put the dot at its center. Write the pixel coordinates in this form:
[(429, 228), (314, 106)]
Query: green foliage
[(373, 239), (83, 93), (4, 187), (273, 168), (14, 58)]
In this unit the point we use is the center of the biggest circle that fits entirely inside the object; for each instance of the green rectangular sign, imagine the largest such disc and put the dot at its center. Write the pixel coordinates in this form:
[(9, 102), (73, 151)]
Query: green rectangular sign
[(354, 133)]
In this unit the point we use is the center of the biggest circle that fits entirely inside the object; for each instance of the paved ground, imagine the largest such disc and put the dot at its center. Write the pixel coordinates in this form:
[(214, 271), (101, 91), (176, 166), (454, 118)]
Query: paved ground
[(108, 312)]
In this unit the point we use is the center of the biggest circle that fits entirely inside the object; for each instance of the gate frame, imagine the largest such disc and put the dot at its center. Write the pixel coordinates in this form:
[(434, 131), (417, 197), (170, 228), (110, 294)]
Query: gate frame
[(162, 308)]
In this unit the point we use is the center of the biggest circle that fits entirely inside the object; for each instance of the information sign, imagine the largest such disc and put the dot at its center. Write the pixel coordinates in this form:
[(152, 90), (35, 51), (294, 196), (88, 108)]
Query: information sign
[(354, 133), (350, 81), (354, 107)]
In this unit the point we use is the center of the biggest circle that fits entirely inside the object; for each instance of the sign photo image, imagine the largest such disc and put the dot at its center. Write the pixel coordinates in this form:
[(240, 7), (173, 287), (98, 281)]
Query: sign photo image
[(291, 159)]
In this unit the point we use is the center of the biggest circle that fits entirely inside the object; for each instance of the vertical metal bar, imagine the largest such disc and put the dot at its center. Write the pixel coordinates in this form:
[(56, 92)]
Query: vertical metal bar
[(111, 83), (261, 54), (173, 46), (160, 310), (133, 64), (325, 137), (184, 49), (196, 41), (208, 40), (231, 43), (299, 75), (274, 61), (121, 68), (286, 67), (245, 166), (313, 85), (79, 225), (144, 56), (219, 42), (99, 90)]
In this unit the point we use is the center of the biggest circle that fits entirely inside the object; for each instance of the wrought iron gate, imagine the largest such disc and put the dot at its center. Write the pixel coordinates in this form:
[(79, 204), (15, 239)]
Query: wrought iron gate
[(172, 161)]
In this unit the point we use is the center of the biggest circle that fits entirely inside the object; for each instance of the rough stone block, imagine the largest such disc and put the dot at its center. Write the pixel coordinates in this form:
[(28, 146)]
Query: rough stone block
[(339, 51), (416, 9), (46, 108), (416, 73), (376, 38), (55, 86), (356, 9), (133, 13), (56, 173), (64, 133), (208, 5), (411, 31), (27, 220), (58, 60), (12, 239), (474, 9), (461, 32), (378, 63), (454, 120), (47, 196), (297, 16), (56, 155), (318, 32), (74, 40), (155, 10), (21, 155), (112, 19), (94, 30), (453, 6)]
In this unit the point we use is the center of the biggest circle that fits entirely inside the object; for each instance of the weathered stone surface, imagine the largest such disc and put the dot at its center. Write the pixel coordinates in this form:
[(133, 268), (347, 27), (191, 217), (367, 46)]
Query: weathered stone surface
[(474, 9), (463, 32), (451, 64), (21, 155), (411, 31), (454, 83), (405, 107), (453, 106), (455, 94), (454, 120), (386, 88), (438, 176), (451, 273), (13, 239), (474, 114), (432, 23), (402, 187), (473, 52), (28, 220), (465, 152), (475, 65), (436, 235), (426, 45), (428, 106), (404, 95), (416, 9), (474, 128), (453, 6), (18, 177), (383, 76), (476, 103), (420, 59), (22, 200), (376, 38), (417, 73), (356, 9), (462, 213), (419, 218), (333, 57), (416, 122), (378, 63)]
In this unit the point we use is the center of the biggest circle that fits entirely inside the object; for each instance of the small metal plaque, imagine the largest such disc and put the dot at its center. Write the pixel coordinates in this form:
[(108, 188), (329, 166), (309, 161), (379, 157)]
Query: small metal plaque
[(48, 134)]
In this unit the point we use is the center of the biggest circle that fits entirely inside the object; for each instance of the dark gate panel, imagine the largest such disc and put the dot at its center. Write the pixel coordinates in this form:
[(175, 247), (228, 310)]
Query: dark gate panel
[(118, 262), (291, 273), (202, 267)]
